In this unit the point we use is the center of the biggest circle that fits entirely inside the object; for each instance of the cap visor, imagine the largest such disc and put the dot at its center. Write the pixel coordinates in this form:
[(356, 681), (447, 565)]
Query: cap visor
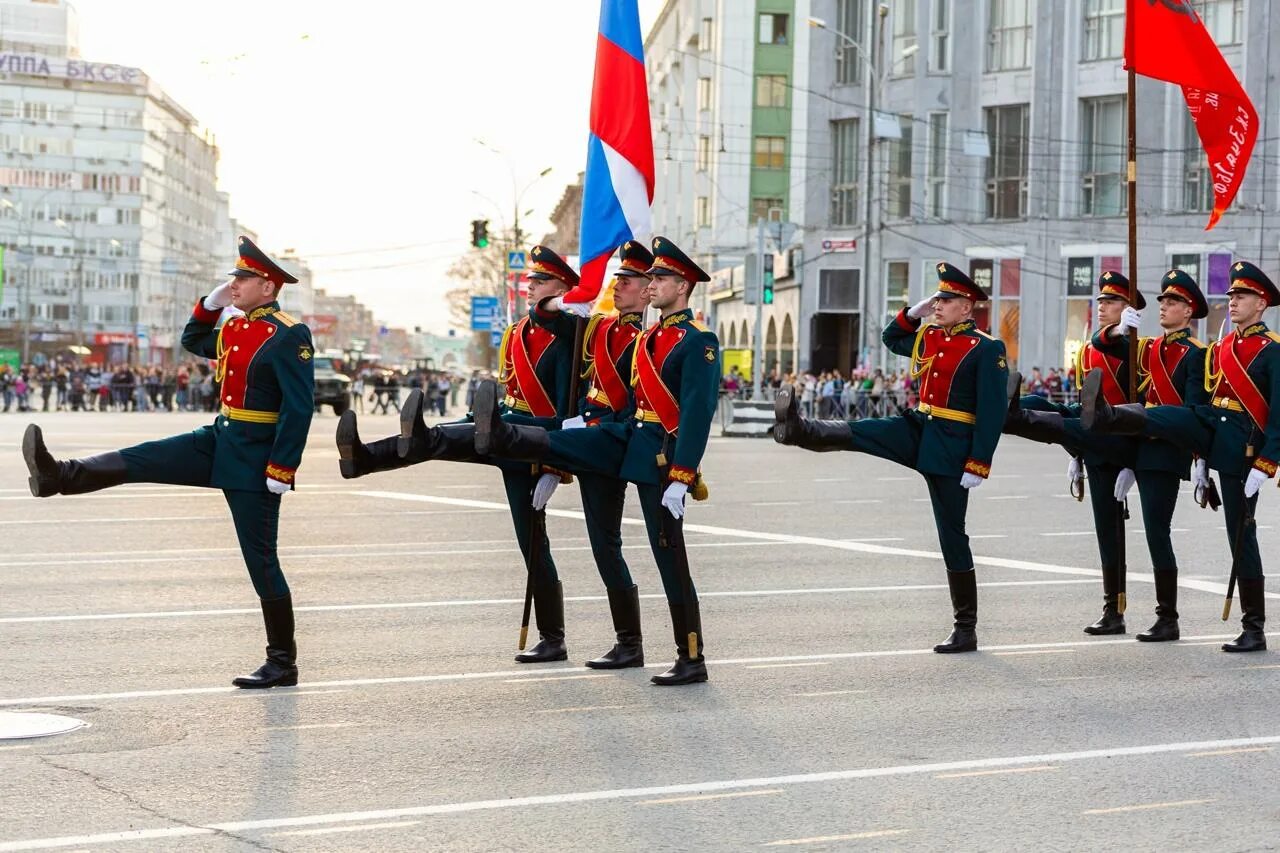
[(238, 273)]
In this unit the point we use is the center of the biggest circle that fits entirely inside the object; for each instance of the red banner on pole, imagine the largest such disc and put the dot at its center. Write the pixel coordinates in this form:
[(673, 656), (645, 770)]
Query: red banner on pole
[(1166, 39)]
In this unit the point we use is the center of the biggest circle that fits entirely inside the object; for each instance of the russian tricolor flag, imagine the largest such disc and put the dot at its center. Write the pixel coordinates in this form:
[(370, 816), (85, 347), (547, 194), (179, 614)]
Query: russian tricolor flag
[(618, 186)]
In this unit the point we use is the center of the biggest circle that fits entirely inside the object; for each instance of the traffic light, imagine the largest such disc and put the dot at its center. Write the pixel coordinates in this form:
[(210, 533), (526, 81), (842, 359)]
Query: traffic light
[(766, 295), (480, 233)]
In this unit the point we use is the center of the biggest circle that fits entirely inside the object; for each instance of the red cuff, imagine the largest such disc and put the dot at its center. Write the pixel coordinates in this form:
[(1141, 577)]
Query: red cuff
[(908, 324), (281, 473), (1266, 466), (681, 474), (203, 315), (973, 466)]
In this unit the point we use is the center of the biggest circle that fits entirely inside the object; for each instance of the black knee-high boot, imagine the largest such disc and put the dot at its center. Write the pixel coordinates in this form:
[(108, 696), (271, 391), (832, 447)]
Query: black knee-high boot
[(628, 651), (1112, 621), (791, 429), (356, 459), (496, 437), (418, 442), (1097, 415), (685, 619), (1253, 616), (49, 476), (964, 601), (281, 667), (1166, 627), (548, 610)]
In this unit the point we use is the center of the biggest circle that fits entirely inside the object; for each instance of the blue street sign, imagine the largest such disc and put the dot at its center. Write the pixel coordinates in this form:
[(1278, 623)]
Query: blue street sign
[(495, 338), (515, 262), (484, 310)]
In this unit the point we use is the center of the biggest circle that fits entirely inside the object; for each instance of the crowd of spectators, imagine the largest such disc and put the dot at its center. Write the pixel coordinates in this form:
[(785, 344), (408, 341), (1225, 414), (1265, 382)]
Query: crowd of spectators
[(875, 393), (75, 386)]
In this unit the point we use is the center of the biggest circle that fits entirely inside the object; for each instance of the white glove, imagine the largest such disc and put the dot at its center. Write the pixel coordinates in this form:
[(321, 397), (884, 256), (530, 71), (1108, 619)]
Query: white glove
[(970, 481), (1200, 474), (1124, 482), (573, 423), (673, 499), (1073, 470), (276, 487), (577, 309), (921, 309), (219, 298), (1254, 482), (1130, 318), (544, 489)]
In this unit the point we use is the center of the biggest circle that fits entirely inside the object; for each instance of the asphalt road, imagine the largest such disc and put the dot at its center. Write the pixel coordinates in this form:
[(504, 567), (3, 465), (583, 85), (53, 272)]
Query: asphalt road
[(827, 723)]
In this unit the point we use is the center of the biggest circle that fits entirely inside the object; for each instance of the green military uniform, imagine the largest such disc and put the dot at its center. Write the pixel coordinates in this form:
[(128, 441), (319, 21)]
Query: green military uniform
[(1104, 457), (950, 438), (675, 381), (535, 366), (608, 350), (1238, 432), (251, 451)]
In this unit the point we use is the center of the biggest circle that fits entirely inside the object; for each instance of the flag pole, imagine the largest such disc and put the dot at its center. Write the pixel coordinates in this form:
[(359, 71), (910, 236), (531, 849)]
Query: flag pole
[(1121, 597)]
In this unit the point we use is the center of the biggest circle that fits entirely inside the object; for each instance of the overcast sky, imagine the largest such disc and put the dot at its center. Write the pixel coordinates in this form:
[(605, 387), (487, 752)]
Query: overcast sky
[(347, 130)]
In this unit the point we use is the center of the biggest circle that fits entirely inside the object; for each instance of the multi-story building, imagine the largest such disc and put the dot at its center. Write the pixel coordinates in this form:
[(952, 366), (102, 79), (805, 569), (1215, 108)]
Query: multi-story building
[(999, 146), (343, 323), (107, 200)]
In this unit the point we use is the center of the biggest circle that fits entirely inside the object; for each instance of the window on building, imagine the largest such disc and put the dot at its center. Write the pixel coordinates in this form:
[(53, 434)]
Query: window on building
[(897, 286), (940, 37), (773, 28), (704, 93), (851, 22), (1009, 35), (904, 37), (771, 90), (846, 163), (1223, 18), (766, 208), (1008, 129), (1103, 137), (704, 154), (939, 139), (1078, 314), (1103, 29), (770, 152), (703, 210), (899, 201), (839, 290), (1197, 185), (705, 34)]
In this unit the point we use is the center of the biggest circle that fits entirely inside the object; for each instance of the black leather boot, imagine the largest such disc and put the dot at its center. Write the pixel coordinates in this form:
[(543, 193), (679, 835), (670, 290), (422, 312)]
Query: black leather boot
[(355, 459), (1252, 618), (964, 600), (280, 668), (72, 477), (685, 670), (1013, 391), (624, 606), (791, 429), (1112, 621), (1166, 628), (548, 610), (1097, 415), (1044, 427), (413, 428), (496, 437)]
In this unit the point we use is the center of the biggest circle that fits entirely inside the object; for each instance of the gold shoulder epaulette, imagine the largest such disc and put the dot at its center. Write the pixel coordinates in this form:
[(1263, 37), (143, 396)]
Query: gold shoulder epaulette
[(285, 319), (984, 334), (1195, 342), (1275, 336), (699, 326)]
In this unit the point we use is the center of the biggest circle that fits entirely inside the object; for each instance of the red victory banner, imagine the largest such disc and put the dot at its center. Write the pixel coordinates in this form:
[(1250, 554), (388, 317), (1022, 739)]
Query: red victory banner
[(1166, 39)]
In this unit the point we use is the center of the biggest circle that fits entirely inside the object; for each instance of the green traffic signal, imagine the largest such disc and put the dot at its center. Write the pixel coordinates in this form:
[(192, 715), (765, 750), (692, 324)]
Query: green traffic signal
[(480, 233)]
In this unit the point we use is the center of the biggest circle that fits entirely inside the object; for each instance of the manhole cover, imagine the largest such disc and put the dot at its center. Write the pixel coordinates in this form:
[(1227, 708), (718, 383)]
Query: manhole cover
[(14, 726)]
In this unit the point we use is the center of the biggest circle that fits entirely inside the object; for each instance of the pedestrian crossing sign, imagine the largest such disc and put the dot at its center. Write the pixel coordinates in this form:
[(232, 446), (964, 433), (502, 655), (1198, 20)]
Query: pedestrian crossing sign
[(515, 262)]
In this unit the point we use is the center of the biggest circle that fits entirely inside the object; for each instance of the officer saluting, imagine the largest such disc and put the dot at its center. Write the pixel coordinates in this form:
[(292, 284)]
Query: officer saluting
[(950, 438), (675, 381), (251, 451), (1238, 432)]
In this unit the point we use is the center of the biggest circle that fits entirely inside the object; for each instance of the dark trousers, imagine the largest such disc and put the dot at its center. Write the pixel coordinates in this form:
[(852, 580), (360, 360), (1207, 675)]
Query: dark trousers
[(1188, 430), (1158, 493), (519, 482), (603, 499), (897, 439), (187, 460), (1106, 509)]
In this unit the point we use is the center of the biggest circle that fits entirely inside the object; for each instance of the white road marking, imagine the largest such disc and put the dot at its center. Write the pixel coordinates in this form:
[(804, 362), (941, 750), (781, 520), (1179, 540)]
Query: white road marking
[(649, 792), (1006, 497), (1070, 533), (1147, 806), (1038, 652), (186, 518), (825, 839), (833, 693), (861, 501), (122, 494), (555, 678), (308, 726), (971, 773), (318, 686), (988, 536), (1229, 751), (1259, 666), (478, 602), (775, 503), (363, 827), (895, 479), (580, 708), (698, 798), (787, 665)]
